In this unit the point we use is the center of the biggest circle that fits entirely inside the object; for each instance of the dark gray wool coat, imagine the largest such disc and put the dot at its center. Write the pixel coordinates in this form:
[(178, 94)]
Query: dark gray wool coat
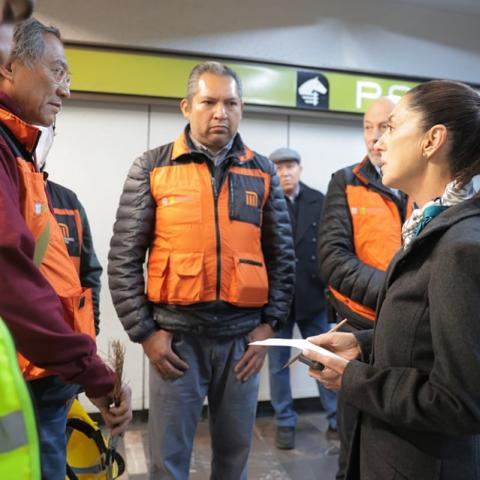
[(419, 395)]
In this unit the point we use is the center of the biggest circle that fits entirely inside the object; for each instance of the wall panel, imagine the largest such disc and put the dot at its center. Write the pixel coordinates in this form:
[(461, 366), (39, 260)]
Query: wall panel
[(326, 145)]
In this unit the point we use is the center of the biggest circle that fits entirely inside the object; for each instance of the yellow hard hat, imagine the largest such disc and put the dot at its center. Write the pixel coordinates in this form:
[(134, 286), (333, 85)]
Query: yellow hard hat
[(87, 448)]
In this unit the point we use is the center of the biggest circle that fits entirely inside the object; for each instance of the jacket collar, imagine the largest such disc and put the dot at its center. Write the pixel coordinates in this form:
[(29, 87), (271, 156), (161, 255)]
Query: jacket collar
[(184, 146), (24, 132), (456, 213), (307, 194), (366, 172), (446, 219)]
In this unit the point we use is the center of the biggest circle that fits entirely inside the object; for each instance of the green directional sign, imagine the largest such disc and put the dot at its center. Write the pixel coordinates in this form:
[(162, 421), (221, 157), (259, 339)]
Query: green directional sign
[(354, 93), (154, 74)]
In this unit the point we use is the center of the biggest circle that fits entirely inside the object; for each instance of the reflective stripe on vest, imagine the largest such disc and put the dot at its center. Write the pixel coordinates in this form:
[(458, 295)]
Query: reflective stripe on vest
[(19, 449), (41, 246), (13, 432)]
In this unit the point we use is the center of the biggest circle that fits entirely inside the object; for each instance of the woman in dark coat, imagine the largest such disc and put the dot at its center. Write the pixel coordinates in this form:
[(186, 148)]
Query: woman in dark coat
[(415, 378)]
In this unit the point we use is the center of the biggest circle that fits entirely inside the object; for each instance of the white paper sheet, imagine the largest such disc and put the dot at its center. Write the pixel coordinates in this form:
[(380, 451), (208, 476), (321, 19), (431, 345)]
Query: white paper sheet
[(299, 343)]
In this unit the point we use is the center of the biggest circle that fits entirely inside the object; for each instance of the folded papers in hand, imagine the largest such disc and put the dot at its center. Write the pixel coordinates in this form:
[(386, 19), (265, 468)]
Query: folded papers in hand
[(299, 343)]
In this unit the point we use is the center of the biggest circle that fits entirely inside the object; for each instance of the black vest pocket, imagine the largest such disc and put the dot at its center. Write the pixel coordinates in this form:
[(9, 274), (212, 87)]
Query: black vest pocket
[(245, 198)]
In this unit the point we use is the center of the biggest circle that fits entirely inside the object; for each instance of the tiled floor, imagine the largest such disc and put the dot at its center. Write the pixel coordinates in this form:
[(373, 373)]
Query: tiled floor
[(314, 458)]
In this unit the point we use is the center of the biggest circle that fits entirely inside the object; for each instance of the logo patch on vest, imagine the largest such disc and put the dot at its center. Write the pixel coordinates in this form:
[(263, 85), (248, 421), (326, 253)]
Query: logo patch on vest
[(66, 233), (251, 199), (172, 199), (71, 235), (366, 210), (38, 208), (245, 197)]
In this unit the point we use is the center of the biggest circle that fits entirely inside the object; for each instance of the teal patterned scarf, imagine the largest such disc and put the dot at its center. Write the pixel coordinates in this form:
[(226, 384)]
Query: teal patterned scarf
[(422, 216)]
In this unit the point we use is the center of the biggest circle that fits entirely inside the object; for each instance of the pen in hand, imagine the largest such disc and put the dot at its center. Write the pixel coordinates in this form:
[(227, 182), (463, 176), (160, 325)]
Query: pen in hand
[(338, 325)]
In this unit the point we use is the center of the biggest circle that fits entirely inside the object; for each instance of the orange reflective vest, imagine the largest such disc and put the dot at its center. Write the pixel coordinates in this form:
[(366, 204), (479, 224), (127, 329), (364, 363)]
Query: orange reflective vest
[(207, 244), (50, 255), (376, 225)]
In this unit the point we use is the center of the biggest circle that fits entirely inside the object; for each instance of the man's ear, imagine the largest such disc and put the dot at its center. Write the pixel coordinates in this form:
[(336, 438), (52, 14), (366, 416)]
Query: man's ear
[(435, 139), (242, 106), (185, 108), (6, 71)]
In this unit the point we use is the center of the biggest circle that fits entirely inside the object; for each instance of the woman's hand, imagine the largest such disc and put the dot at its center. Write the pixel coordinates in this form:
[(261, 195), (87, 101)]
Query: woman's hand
[(344, 345)]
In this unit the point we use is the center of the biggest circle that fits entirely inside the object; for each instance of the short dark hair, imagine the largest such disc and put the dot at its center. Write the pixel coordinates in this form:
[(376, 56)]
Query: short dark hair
[(29, 41), (457, 106), (215, 68)]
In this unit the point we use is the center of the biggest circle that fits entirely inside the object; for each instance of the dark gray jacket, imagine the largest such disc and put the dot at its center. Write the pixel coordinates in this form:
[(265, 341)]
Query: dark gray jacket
[(133, 235), (420, 397)]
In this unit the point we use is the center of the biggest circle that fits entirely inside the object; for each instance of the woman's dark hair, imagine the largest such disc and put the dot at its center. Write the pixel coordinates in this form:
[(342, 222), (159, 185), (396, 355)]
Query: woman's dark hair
[(457, 106)]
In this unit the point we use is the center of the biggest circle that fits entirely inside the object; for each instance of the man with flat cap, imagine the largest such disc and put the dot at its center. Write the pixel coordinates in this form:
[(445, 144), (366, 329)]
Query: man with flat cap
[(308, 308)]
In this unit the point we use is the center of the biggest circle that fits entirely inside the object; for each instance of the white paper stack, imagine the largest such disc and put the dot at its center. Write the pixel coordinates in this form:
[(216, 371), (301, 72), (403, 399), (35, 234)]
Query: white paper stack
[(299, 343)]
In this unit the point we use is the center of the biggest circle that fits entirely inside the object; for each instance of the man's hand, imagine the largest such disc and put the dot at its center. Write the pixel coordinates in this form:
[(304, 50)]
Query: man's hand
[(253, 358), (158, 348), (118, 418)]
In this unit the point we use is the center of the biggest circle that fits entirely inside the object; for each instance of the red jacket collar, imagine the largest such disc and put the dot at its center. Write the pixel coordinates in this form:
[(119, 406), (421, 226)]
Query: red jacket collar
[(25, 133)]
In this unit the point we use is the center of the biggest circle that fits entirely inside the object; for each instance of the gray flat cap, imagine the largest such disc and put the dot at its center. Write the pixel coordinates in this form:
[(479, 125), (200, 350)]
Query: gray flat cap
[(283, 154)]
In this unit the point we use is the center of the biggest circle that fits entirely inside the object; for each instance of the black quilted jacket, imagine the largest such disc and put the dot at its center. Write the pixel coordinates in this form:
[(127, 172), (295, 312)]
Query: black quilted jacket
[(133, 234)]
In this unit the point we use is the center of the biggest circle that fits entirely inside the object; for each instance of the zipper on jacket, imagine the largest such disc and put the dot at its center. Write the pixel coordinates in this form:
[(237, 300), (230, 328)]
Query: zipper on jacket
[(217, 233), (211, 169)]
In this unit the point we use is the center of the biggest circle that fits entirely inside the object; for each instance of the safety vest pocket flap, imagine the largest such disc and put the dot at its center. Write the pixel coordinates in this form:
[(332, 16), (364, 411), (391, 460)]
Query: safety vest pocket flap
[(78, 311), (176, 278), (185, 278), (157, 265), (249, 286), (157, 269), (187, 264)]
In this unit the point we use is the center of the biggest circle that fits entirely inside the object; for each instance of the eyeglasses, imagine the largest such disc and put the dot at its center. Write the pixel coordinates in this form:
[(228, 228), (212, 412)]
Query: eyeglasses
[(60, 75)]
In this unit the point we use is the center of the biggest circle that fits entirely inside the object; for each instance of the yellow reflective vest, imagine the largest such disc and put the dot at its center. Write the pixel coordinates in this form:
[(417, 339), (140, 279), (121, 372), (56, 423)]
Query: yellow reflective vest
[(19, 449)]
